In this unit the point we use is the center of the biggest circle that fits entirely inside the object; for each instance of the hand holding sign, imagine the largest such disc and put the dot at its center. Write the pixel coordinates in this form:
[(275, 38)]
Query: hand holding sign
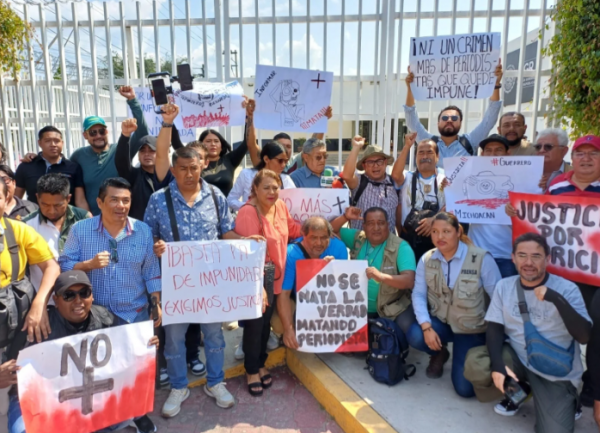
[(8, 374)]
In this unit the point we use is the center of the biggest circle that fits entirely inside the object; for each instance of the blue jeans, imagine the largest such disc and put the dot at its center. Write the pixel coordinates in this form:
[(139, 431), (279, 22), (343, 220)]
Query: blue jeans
[(15, 418), (507, 267), (462, 344), (142, 316), (175, 351)]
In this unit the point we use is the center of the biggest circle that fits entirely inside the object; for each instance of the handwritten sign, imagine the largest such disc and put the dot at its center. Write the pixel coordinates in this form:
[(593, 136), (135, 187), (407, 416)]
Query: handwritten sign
[(213, 281), (306, 202), (571, 225), (154, 120), (331, 312), (454, 67), (213, 105), (289, 99), (479, 186), (87, 382)]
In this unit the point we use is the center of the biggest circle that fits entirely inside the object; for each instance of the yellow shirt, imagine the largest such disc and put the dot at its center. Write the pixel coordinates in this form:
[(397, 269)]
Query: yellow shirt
[(33, 250)]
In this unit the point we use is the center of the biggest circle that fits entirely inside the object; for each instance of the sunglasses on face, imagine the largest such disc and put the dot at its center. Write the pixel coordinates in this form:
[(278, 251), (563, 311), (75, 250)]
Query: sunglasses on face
[(99, 131), (282, 161), (319, 158), (70, 295), (453, 118), (547, 147), (114, 255)]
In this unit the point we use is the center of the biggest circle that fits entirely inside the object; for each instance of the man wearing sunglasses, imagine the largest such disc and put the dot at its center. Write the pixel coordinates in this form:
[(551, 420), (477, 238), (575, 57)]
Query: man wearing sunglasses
[(449, 142), (311, 175), (553, 145), (74, 313), (98, 159)]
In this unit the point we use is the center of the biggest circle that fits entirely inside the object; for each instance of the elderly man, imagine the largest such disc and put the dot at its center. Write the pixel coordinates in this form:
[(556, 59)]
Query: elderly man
[(553, 145), (512, 127), (314, 173), (374, 188), (316, 243), (422, 195), (15, 207), (556, 309), (449, 142)]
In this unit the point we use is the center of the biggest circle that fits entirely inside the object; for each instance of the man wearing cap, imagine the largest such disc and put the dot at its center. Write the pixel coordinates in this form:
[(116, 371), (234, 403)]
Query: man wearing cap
[(98, 159), (374, 188), (73, 313), (315, 173)]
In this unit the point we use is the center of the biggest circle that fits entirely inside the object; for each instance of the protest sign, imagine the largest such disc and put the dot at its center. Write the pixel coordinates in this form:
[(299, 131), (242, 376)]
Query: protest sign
[(454, 67), (292, 100), (212, 105), (331, 311), (154, 120), (212, 281), (479, 185), (571, 225), (87, 382), (306, 202)]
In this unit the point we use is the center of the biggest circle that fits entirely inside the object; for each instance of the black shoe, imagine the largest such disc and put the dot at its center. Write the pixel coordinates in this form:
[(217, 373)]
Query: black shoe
[(143, 425), (435, 369), (197, 367), (586, 398), (506, 408)]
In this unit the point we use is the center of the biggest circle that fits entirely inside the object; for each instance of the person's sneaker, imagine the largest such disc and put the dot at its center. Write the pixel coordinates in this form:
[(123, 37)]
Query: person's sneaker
[(220, 394), (435, 369), (143, 425), (273, 342), (578, 412), (239, 353), (506, 408), (163, 377), (197, 367), (230, 326), (173, 404)]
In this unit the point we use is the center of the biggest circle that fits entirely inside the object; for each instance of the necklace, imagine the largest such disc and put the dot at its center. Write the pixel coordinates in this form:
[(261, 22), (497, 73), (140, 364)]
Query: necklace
[(369, 249)]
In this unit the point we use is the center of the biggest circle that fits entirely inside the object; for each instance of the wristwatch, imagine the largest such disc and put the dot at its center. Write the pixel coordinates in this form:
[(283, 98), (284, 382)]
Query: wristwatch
[(167, 125), (498, 86)]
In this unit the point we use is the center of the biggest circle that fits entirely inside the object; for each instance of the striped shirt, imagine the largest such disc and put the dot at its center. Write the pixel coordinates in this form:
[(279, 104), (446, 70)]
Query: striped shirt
[(564, 185), (122, 286), (377, 194)]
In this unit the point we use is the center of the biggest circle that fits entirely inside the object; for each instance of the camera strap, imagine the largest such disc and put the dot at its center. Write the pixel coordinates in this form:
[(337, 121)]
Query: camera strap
[(413, 189)]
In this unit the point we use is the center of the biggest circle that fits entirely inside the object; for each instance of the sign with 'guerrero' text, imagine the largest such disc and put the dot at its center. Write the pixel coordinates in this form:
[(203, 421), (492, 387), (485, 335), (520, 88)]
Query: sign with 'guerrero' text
[(212, 281), (571, 225)]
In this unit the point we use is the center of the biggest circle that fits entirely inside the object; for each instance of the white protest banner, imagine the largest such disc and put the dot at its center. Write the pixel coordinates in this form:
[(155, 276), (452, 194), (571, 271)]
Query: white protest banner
[(454, 67), (331, 306), (479, 185), (87, 382), (212, 105), (212, 281), (292, 100), (306, 202), (154, 120)]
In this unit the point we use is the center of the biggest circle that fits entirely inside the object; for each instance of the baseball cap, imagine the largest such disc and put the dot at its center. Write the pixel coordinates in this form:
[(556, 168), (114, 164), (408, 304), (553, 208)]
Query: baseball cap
[(148, 140), (69, 279), (494, 138), (91, 121), (592, 140)]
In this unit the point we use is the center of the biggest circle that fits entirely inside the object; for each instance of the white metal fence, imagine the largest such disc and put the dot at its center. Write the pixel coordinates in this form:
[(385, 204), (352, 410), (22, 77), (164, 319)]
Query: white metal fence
[(82, 52)]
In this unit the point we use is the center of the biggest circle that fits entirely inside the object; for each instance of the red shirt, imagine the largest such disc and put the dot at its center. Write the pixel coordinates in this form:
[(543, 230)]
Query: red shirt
[(564, 185)]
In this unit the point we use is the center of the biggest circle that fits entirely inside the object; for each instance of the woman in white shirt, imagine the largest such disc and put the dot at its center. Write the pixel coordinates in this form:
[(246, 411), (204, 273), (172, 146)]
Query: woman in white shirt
[(272, 157)]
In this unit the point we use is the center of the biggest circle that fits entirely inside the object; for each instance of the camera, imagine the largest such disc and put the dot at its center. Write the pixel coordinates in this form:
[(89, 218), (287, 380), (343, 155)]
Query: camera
[(516, 392), (161, 84), (487, 185), (431, 206)]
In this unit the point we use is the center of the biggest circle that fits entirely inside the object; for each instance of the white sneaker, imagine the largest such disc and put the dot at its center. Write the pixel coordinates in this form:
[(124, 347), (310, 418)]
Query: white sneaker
[(220, 394), (273, 342), (173, 404), (230, 326), (239, 353)]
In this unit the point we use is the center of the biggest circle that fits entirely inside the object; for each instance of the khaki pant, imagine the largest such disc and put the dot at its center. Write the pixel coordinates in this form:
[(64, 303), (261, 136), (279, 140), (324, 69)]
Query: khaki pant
[(276, 324), (555, 401)]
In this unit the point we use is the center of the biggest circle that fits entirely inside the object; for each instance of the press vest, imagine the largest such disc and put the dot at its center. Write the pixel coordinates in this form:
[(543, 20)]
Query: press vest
[(464, 306), (391, 302)]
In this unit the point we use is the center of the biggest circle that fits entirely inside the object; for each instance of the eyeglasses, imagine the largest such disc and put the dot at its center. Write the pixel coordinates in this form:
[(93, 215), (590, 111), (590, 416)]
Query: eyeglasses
[(319, 158), (99, 131), (114, 255), (580, 155), (6, 179), (70, 295), (453, 118), (547, 147), (377, 162), (282, 161)]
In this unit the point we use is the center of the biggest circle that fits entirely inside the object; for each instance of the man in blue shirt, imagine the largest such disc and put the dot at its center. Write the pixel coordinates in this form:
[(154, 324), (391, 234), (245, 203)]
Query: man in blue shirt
[(314, 173), (316, 243)]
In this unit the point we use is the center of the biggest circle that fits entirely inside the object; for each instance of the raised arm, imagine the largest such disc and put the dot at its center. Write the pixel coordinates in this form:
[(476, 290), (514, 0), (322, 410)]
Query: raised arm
[(138, 114), (253, 147), (349, 172), (163, 141), (350, 214), (410, 112), (398, 168), (176, 142), (410, 98), (123, 155), (328, 114), (490, 118)]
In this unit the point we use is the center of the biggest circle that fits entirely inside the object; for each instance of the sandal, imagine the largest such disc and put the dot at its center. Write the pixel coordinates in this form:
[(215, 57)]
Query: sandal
[(264, 379), (255, 389)]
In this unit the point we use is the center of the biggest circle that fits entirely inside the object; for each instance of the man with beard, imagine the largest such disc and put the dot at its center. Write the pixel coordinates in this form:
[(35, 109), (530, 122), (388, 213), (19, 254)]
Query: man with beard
[(555, 307), (449, 122), (98, 159), (55, 217), (512, 127)]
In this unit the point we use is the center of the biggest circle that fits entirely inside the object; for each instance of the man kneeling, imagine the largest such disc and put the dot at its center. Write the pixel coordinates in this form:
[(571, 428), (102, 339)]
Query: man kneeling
[(555, 308)]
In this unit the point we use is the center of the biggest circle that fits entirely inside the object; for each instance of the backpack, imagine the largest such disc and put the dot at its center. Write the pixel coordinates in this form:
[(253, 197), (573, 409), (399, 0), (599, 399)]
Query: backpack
[(364, 182), (387, 352), (462, 140)]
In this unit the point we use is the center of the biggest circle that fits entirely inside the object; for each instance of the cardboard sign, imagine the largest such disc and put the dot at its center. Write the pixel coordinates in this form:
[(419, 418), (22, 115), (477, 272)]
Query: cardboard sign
[(571, 225), (87, 382), (289, 99), (331, 306), (479, 185), (212, 281), (306, 202), (212, 105), (454, 67), (154, 120)]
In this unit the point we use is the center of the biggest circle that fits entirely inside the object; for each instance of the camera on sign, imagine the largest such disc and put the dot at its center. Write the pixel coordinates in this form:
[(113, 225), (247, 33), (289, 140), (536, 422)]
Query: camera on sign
[(161, 84), (486, 185)]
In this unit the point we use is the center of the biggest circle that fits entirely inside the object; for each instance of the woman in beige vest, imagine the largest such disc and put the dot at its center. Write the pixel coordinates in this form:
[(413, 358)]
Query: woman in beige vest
[(453, 285)]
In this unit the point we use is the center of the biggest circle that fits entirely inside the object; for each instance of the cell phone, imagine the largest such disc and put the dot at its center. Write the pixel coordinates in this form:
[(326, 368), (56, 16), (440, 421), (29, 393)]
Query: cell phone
[(184, 75), (514, 391), (159, 91)]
